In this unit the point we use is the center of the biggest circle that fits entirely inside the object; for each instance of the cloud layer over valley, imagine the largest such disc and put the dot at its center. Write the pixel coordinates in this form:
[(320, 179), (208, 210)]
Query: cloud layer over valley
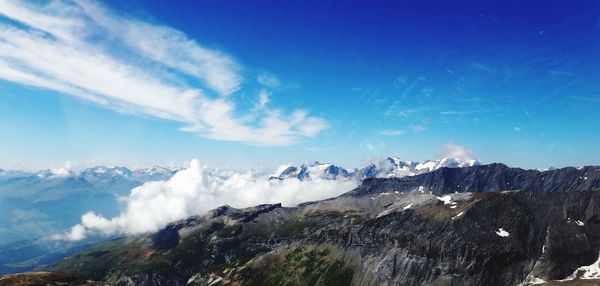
[(197, 189)]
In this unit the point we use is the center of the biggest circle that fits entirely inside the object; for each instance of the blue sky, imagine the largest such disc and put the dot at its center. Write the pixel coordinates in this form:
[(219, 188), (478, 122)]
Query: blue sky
[(260, 83)]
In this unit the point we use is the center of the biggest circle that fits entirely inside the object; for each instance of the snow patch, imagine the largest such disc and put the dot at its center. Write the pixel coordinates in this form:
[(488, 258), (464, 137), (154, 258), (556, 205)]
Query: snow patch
[(216, 281), (446, 199), (501, 232), (458, 215), (531, 280), (408, 206)]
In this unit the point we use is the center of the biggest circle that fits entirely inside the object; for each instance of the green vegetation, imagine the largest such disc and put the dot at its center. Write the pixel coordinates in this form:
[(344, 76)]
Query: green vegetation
[(217, 245), (130, 256), (39, 278), (302, 265)]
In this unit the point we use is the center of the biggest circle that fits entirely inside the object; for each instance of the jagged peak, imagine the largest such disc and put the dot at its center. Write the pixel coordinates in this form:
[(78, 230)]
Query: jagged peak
[(223, 210)]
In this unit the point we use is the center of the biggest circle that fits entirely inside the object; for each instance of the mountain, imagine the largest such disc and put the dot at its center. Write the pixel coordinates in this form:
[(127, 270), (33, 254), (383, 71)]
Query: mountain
[(396, 168), (390, 167), (320, 170), (39, 203), (36, 205), (477, 225), (155, 173), (487, 178)]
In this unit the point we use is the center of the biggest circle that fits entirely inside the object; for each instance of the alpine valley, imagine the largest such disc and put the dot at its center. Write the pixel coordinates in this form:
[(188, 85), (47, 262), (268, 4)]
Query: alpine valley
[(443, 222)]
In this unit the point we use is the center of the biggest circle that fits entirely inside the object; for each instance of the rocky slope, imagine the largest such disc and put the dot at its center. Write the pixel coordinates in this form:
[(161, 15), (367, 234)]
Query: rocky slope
[(481, 225)]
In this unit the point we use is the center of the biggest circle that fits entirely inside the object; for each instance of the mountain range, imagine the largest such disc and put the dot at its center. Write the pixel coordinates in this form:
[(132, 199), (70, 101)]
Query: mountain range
[(39, 204), (386, 168), (476, 225), (54, 199)]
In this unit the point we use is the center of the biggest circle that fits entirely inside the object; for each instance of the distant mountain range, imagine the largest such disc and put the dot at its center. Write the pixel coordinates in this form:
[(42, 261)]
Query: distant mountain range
[(142, 174), (38, 204), (390, 167), (60, 183), (386, 168)]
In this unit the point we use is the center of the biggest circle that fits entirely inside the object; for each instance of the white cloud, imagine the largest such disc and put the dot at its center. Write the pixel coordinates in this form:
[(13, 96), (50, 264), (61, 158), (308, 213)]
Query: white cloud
[(268, 80), (392, 132), (517, 129), (263, 98), (77, 232), (169, 47), (82, 49), (26, 215), (418, 128), (196, 190), (462, 154)]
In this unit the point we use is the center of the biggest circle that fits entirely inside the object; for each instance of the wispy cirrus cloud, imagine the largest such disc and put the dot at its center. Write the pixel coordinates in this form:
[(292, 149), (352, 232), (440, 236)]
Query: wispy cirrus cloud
[(85, 50), (392, 132)]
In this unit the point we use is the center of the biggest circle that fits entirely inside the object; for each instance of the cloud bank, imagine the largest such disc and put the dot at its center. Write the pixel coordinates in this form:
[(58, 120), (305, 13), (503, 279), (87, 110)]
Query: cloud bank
[(82, 49), (196, 190)]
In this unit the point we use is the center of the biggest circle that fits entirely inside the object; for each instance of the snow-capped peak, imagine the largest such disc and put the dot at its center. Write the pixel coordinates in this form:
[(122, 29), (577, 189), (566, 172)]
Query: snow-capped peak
[(386, 168), (55, 173), (314, 170), (104, 171), (428, 166), (546, 169)]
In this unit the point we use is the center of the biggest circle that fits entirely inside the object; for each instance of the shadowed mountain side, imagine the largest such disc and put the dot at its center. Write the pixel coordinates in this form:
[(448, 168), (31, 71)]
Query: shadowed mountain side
[(487, 178)]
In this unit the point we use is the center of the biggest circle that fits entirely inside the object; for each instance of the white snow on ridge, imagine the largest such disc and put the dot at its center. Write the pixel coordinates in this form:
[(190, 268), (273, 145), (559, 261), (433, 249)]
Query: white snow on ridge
[(503, 233), (591, 271), (531, 280), (391, 167), (447, 199), (458, 215), (578, 222)]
